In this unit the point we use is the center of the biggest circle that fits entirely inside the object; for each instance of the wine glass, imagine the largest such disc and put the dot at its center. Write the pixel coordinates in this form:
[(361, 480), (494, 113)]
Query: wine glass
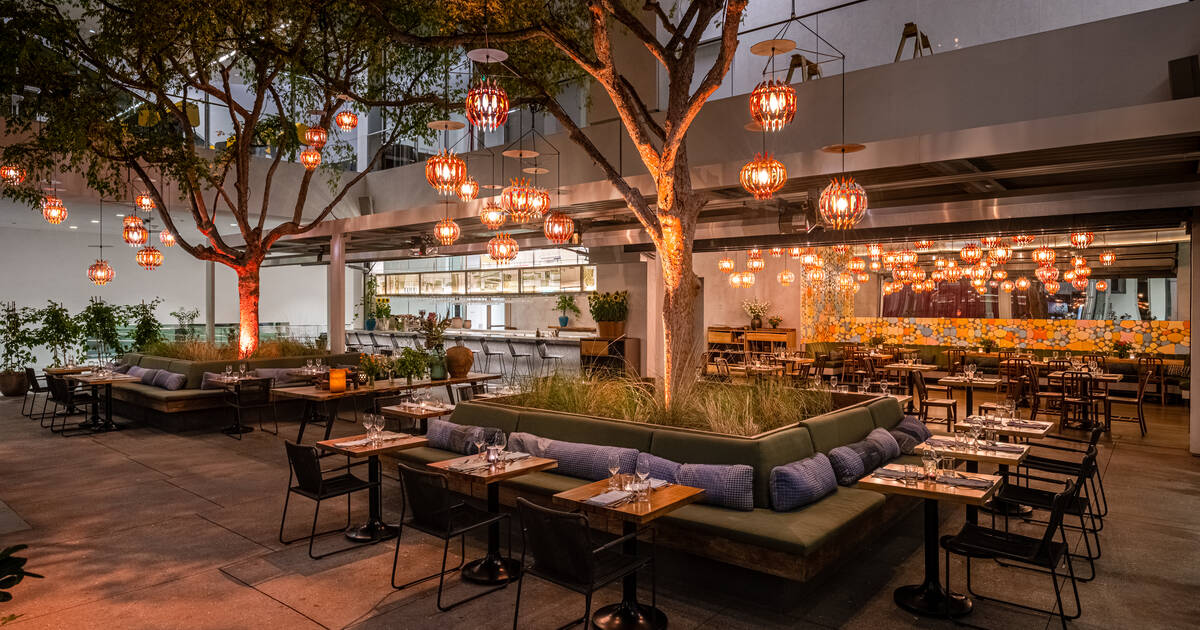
[(228, 371), (866, 385), (833, 382), (642, 470), (883, 387), (309, 365), (614, 469), (318, 365), (479, 441), (500, 440), (242, 370), (368, 422), (380, 425)]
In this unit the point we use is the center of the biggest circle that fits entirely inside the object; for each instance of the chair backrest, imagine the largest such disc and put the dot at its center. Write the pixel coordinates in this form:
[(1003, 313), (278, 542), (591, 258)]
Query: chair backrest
[(34, 384), (541, 348), (1144, 378), (58, 387), (306, 466), (1006, 354), (1058, 507), (919, 386), (818, 365), (352, 339), (722, 367), (802, 371), (253, 391), (954, 360), (1077, 384), (468, 391), (484, 345), (560, 542), (1154, 365), (511, 348), (396, 345), (428, 498)]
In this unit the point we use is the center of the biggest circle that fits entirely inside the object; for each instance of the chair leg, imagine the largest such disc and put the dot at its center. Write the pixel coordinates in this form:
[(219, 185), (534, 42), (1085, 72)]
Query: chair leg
[(517, 605), (442, 579)]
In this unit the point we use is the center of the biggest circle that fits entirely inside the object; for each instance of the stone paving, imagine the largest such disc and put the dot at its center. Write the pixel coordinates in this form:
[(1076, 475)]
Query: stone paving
[(146, 529)]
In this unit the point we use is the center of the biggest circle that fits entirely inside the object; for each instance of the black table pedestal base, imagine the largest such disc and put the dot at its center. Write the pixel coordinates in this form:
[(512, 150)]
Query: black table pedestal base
[(930, 600), (627, 615), (491, 570), (373, 531), (236, 429)]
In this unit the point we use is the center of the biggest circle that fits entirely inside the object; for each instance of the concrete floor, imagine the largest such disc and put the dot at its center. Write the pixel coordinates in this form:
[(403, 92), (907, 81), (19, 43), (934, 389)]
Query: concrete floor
[(146, 529)]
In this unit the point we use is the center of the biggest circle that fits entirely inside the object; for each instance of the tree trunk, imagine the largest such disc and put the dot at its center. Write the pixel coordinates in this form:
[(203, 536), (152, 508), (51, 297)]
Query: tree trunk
[(677, 209), (247, 309)]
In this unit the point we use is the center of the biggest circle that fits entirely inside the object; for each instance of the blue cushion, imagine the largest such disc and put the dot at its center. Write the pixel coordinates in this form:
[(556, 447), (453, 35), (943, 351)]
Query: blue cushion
[(521, 442), (588, 461), (148, 376), (123, 368), (169, 381), (283, 376), (801, 482), (886, 443), (662, 468), (905, 441), (914, 427), (847, 465), (209, 381), (137, 371), (459, 438), (727, 486), (870, 453)]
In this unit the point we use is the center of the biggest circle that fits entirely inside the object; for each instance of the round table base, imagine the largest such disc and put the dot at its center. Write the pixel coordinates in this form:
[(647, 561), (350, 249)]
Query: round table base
[(372, 532), (931, 601), (492, 570), (235, 430), (626, 616), (1004, 508)]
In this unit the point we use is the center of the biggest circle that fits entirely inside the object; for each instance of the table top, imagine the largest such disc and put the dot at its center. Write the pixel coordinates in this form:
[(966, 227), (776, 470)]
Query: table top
[(1011, 431), (797, 360), (662, 501), (367, 450), (1107, 377), (310, 392), (60, 371), (415, 411), (96, 379), (497, 473), (972, 454), (915, 367), (962, 381), (933, 490)]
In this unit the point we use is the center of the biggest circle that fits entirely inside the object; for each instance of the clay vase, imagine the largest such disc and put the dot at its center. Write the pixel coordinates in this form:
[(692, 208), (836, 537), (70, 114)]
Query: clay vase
[(13, 383), (459, 360)]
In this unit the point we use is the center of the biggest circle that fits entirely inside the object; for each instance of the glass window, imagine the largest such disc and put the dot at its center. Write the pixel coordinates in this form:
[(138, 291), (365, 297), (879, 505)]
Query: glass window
[(541, 280), (570, 279), (444, 283)]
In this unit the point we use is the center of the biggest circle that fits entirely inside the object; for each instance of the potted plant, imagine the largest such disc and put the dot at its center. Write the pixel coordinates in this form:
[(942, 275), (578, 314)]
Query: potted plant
[(411, 364), (774, 321), (987, 344), (434, 331), (368, 303), (755, 310), (876, 340), (186, 318), (100, 321), (383, 313), (566, 303), (17, 340), (610, 310), (1122, 349), (59, 332), (372, 366), (147, 329)]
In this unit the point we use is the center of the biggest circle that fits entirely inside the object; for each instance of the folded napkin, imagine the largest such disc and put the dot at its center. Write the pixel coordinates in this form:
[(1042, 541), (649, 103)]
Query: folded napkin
[(469, 464), (968, 482), (392, 435), (1005, 448), (516, 456), (941, 443), (1028, 424), (608, 498), (892, 473), (655, 484), (351, 443)]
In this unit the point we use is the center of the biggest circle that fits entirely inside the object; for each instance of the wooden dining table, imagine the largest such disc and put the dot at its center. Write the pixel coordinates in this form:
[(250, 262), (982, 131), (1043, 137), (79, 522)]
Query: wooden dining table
[(929, 598), (969, 385), (96, 381), (375, 529), (629, 613)]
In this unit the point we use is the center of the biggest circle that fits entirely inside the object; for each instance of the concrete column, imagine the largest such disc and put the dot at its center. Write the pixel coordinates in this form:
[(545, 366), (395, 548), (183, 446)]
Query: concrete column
[(337, 293), (1194, 409), (210, 301)]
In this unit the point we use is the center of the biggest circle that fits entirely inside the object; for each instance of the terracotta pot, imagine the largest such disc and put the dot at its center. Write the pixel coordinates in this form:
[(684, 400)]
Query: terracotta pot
[(610, 330), (459, 360), (13, 383)]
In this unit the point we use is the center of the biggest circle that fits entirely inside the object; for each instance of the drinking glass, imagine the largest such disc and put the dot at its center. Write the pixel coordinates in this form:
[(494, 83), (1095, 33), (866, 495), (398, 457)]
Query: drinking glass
[(368, 423), (929, 461), (242, 370), (478, 440), (614, 469), (318, 365), (642, 470), (228, 371), (308, 364), (866, 385), (883, 387), (910, 475), (833, 382)]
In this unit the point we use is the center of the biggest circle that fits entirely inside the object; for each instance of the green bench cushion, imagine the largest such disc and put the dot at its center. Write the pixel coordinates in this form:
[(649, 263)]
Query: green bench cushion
[(575, 428), (798, 532), (763, 453), (885, 412), (158, 393), (482, 414), (422, 455), (838, 428), (544, 483)]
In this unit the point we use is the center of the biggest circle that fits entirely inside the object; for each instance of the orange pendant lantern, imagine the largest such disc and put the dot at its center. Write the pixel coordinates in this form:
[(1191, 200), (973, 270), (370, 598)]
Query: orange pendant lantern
[(786, 278), (816, 274), (981, 290), (316, 137), (53, 210), (773, 104), (310, 159), (502, 248), (1101, 286), (101, 273), (1082, 240), (487, 105), (144, 202), (843, 203), (1023, 239), (492, 216), (970, 253), (763, 176), (795, 252), (1107, 258), (906, 257), (756, 264), (1051, 287), (775, 252), (1023, 283), (446, 172), (748, 279), (1046, 274), (735, 280), (1080, 284), (12, 174), (856, 265), (558, 227), (875, 265), (1001, 254), (167, 238), (469, 189), (1043, 256), (990, 242), (446, 231), (134, 232), (346, 120), (725, 265), (1007, 286), (999, 274), (149, 257), (874, 250), (924, 244), (523, 201)]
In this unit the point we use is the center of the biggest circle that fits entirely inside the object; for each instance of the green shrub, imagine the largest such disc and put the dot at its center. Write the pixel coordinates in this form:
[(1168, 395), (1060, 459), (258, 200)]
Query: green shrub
[(609, 307), (204, 351)]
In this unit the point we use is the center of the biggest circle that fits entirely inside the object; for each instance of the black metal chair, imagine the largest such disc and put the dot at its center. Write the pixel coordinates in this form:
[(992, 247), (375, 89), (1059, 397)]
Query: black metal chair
[(69, 400), (1043, 553), (488, 353), (250, 394), (469, 391), (312, 483), (564, 554), (1139, 404), (31, 393), (516, 359), (545, 356), (1077, 403), (438, 513), (1063, 455)]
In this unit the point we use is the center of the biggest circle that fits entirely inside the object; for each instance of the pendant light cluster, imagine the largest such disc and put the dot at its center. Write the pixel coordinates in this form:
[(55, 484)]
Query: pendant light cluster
[(53, 210), (12, 175)]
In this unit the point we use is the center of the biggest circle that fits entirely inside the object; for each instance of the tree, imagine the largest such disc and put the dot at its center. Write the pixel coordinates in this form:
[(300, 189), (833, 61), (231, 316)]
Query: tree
[(583, 34), (111, 88)]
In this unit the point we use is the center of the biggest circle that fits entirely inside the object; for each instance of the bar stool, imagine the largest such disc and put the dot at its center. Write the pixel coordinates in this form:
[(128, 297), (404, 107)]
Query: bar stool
[(517, 356), (547, 357), (488, 353)]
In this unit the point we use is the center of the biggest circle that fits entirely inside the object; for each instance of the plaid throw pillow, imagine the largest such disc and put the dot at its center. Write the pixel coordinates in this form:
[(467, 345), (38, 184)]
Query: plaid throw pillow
[(459, 438), (727, 486), (801, 482), (847, 465), (588, 461)]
